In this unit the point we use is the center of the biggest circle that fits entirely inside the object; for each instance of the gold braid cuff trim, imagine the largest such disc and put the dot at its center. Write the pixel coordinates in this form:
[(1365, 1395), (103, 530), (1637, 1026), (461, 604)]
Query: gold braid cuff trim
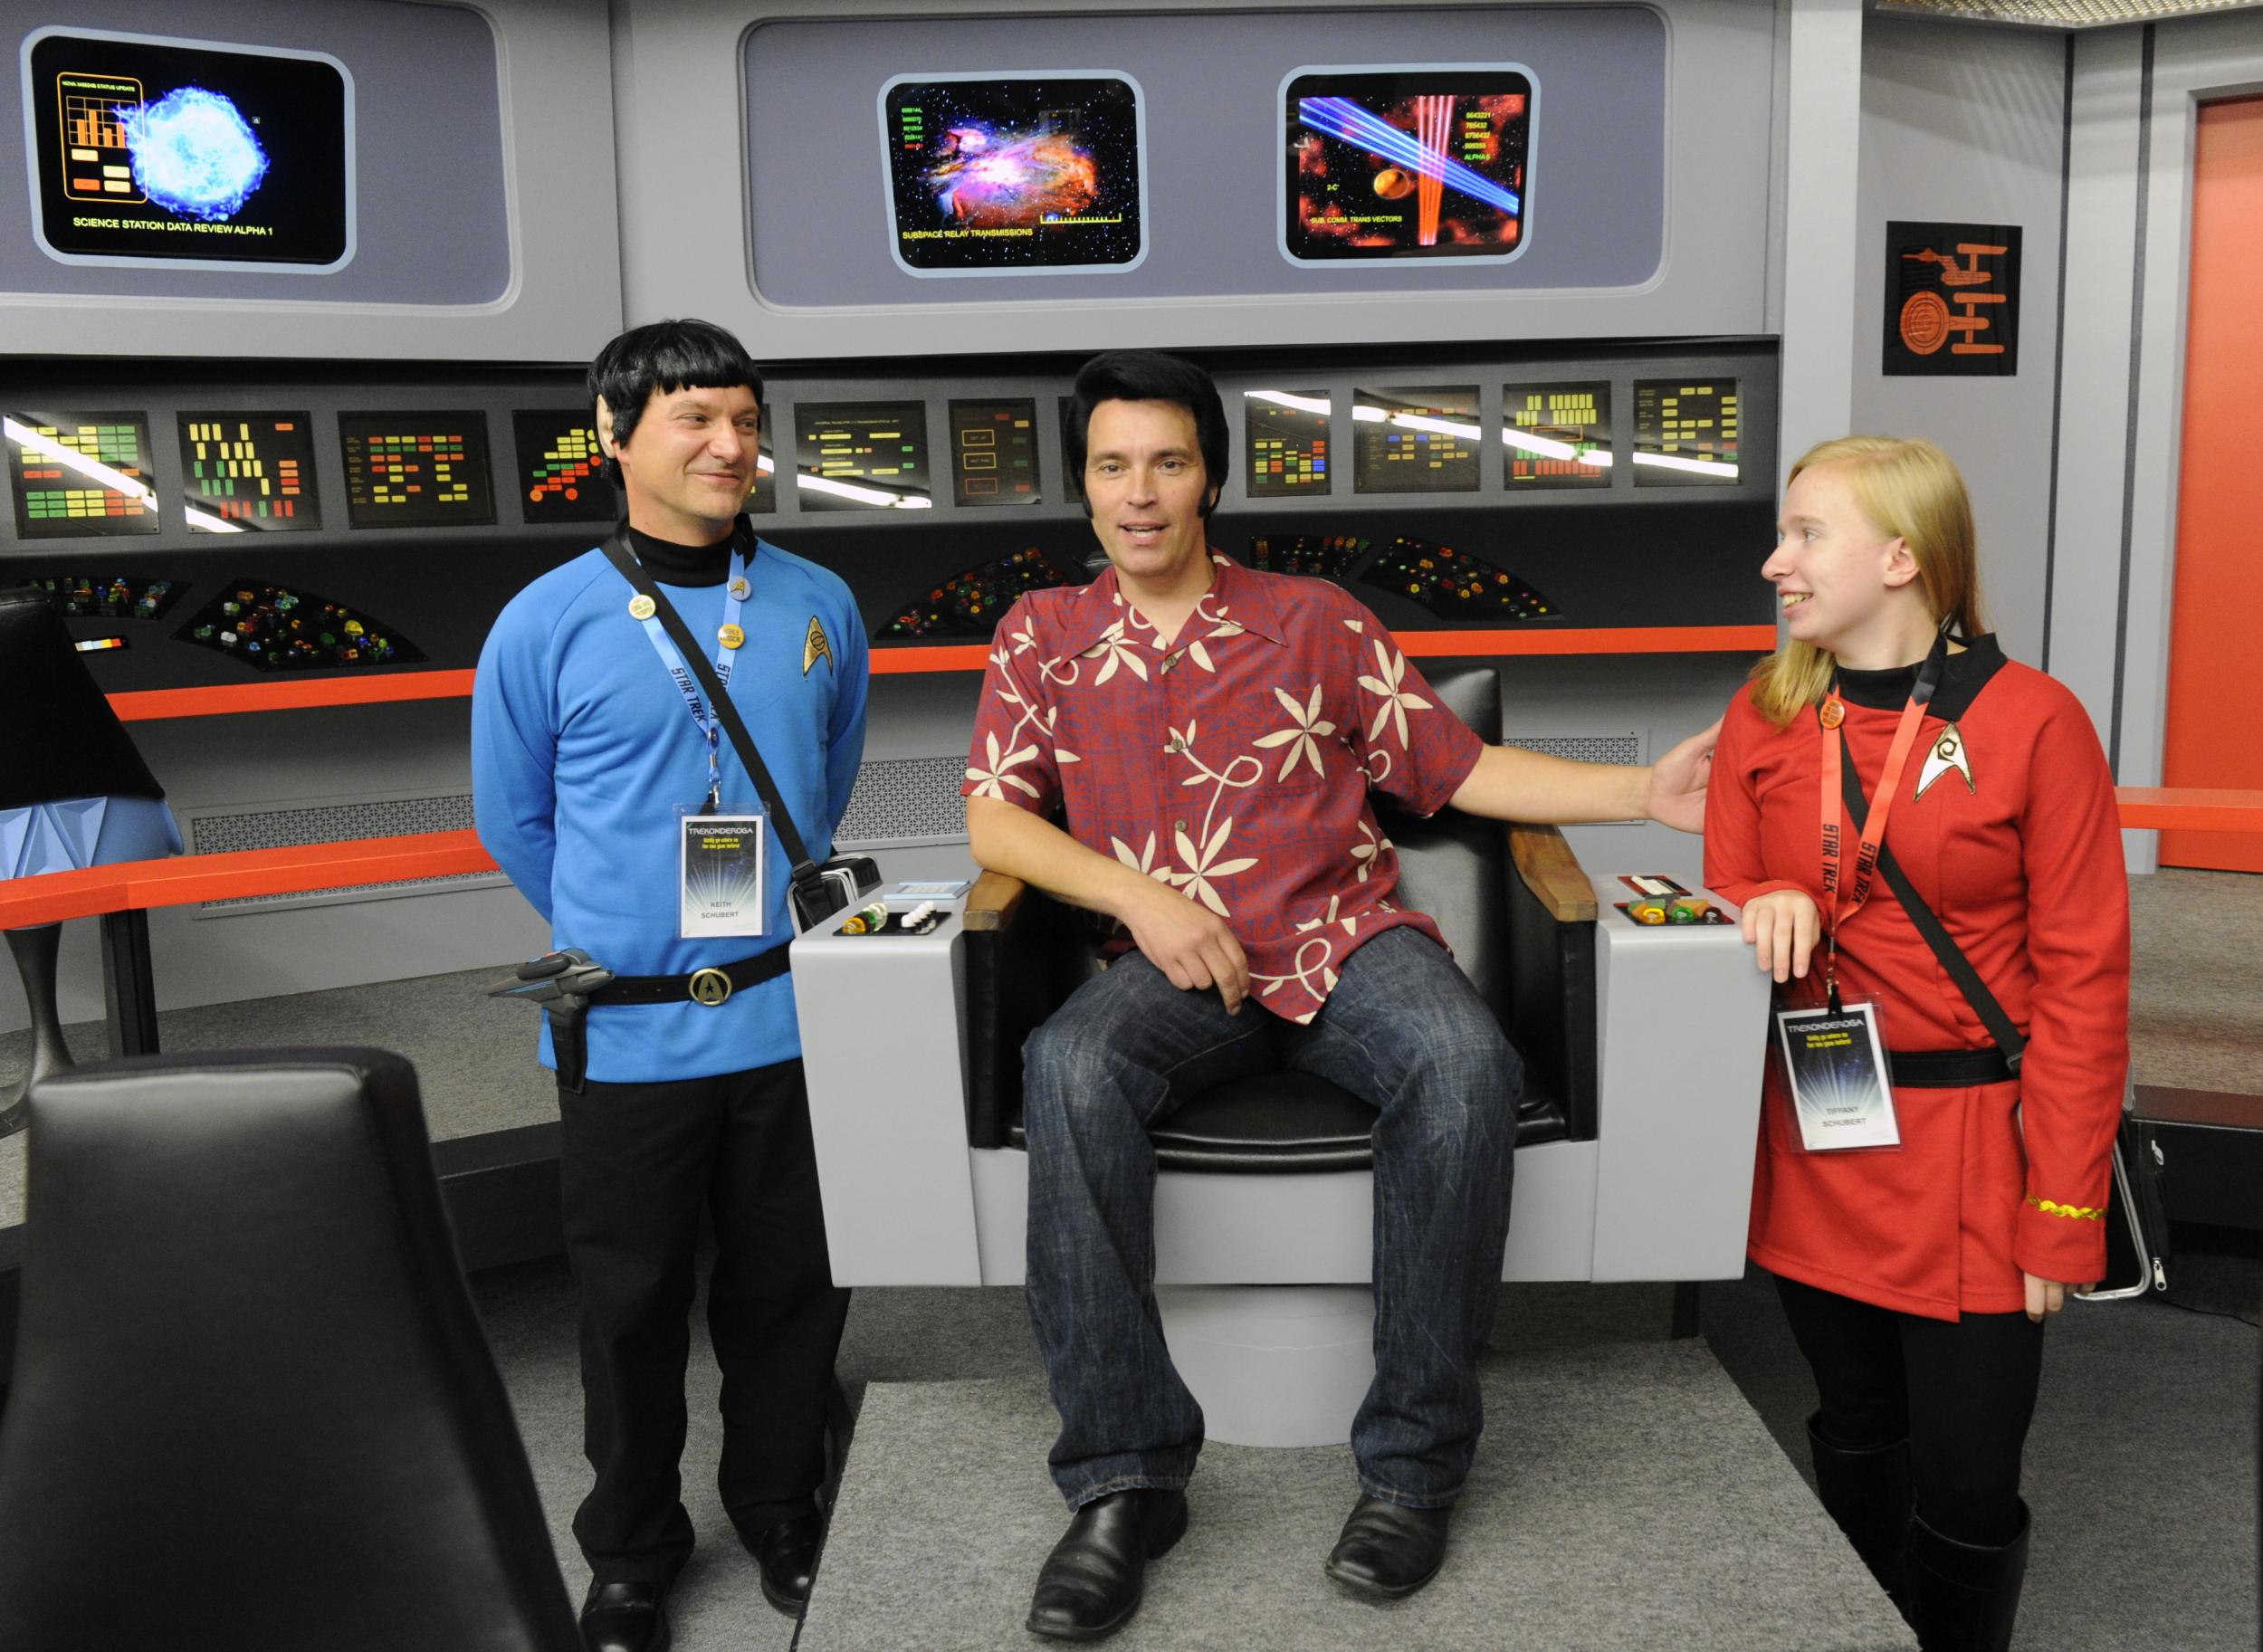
[(2079, 1213)]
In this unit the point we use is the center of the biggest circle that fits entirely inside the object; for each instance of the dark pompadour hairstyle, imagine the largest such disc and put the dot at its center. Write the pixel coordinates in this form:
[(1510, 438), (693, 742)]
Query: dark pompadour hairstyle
[(666, 357), (1149, 375)]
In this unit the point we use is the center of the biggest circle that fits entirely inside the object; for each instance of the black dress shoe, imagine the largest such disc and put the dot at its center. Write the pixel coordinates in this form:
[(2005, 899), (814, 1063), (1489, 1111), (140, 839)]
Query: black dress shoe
[(1386, 1550), (1090, 1584), (786, 1556), (624, 1618)]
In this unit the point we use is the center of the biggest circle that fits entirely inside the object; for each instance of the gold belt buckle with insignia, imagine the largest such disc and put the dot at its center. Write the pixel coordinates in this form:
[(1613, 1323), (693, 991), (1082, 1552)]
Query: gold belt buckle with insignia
[(709, 987)]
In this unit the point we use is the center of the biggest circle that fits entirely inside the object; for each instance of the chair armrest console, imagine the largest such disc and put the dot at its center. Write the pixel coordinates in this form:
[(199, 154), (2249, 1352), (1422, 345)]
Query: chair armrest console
[(1552, 967), (994, 902), (1544, 860)]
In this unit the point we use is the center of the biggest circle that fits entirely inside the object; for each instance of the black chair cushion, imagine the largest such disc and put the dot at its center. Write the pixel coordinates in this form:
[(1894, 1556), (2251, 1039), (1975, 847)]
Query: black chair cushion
[(252, 1406)]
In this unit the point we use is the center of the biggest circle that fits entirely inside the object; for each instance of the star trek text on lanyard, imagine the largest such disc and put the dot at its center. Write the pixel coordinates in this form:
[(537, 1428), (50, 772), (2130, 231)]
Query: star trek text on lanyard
[(728, 637), (1842, 1091), (721, 862)]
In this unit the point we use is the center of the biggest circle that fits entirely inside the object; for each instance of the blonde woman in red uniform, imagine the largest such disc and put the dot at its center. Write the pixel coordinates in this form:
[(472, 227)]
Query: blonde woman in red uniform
[(1888, 771)]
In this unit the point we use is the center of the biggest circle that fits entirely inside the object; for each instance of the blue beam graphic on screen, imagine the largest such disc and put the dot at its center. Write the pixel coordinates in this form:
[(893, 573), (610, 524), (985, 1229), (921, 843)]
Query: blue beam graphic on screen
[(1342, 118), (194, 153)]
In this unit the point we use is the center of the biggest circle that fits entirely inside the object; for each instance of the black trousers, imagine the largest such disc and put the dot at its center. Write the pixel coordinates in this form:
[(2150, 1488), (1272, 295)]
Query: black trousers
[(639, 1162), (1962, 1392)]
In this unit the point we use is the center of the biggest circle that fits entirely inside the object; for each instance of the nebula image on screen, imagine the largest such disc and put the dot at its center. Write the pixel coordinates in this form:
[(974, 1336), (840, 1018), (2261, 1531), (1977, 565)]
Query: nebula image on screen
[(174, 152), (989, 174), (194, 153), (1405, 164)]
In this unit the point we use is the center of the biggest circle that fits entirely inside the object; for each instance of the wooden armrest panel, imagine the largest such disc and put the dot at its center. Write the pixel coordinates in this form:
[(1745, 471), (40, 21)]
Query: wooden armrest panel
[(993, 902), (1552, 872)]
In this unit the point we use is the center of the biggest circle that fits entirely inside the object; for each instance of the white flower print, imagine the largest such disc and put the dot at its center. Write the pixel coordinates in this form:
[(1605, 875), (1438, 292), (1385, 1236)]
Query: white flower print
[(1119, 651), (1351, 924), (994, 780), (1144, 863), (1397, 702), (1302, 739), (1201, 868), (1369, 855), (1061, 754)]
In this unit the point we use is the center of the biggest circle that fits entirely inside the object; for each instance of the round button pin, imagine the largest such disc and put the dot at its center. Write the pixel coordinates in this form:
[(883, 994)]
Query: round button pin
[(740, 588), (641, 606), (731, 637), (1834, 713)]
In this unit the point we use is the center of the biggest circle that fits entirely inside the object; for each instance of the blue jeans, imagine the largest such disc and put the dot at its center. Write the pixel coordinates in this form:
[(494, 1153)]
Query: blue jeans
[(1405, 1031)]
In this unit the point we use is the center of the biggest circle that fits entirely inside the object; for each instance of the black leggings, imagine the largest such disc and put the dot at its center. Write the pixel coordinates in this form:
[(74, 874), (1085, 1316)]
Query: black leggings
[(1963, 1393)]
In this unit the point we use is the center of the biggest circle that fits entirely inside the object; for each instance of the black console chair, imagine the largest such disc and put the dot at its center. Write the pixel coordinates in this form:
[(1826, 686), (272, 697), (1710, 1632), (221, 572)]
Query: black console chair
[(64, 744), (253, 1407), (1511, 900)]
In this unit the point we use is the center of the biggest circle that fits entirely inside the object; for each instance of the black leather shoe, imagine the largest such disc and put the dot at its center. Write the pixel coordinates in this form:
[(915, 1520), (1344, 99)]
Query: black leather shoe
[(1386, 1550), (786, 1556), (1090, 1585), (624, 1618)]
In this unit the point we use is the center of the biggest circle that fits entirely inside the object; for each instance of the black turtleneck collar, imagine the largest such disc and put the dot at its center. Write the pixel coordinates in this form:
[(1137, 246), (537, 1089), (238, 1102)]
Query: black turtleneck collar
[(686, 565), (1963, 676)]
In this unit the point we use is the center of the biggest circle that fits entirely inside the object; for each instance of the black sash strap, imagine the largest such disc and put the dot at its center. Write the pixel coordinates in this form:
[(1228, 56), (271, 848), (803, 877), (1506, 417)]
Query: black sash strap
[(2010, 1046), (804, 874), (667, 989)]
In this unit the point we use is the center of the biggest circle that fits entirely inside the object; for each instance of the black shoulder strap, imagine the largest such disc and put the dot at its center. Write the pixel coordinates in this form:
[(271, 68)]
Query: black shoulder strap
[(618, 552), (1992, 1016)]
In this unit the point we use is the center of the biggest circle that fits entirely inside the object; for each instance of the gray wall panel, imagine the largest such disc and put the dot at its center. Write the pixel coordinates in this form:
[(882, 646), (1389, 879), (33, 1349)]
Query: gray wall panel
[(683, 254), (486, 182), (1970, 135)]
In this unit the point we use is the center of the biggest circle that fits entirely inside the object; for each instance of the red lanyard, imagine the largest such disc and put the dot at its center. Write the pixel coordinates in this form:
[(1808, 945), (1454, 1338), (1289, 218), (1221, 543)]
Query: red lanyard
[(1837, 909)]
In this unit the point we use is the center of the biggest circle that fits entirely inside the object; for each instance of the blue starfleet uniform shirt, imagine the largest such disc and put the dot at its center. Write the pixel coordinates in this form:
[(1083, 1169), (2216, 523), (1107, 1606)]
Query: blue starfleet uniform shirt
[(583, 751)]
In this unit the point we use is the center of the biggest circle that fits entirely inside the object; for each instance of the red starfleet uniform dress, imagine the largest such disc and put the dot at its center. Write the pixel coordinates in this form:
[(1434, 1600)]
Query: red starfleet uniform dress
[(1233, 764), (2015, 843)]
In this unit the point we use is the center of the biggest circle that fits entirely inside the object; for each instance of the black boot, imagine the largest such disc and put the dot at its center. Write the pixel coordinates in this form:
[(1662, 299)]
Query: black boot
[(1963, 1597), (1867, 1492)]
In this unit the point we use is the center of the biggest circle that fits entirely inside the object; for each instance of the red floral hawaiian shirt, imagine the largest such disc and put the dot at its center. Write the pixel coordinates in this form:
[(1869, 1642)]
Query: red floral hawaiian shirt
[(1233, 764)]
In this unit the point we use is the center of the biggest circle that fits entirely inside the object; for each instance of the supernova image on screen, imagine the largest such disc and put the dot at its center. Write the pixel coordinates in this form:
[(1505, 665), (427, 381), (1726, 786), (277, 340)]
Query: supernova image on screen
[(1405, 163), (167, 151), (995, 175)]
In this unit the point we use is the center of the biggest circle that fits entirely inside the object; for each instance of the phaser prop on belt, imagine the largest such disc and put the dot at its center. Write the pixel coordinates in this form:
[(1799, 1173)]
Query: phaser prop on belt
[(563, 983)]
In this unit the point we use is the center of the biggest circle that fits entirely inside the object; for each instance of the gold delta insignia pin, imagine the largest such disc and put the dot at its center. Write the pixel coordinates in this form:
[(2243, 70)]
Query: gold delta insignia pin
[(1948, 754), (814, 648)]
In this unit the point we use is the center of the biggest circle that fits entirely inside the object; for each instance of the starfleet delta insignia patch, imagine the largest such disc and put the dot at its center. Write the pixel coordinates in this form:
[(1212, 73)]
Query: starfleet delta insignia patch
[(1948, 755), (814, 648)]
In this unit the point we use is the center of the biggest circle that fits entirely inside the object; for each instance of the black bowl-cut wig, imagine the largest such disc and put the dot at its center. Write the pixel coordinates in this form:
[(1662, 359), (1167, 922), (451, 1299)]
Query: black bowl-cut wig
[(664, 357)]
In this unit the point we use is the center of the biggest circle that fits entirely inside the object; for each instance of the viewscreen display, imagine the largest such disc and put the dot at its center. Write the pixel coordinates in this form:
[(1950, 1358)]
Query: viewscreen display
[(248, 471), (994, 453), (1686, 432), (1557, 435), (1286, 434), (1416, 441), (416, 470), (1408, 163), (77, 475), (561, 470), (861, 455), (988, 175), (144, 150)]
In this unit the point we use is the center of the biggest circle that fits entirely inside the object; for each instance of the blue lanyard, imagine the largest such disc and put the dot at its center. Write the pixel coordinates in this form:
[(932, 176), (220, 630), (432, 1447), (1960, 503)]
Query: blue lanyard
[(734, 588)]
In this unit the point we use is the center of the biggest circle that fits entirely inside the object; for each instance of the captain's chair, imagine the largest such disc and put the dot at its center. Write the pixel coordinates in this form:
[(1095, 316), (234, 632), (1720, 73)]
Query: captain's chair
[(1642, 1051)]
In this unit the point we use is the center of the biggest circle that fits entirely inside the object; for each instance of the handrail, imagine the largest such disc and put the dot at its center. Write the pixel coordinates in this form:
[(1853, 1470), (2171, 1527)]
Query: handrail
[(141, 705), (180, 880)]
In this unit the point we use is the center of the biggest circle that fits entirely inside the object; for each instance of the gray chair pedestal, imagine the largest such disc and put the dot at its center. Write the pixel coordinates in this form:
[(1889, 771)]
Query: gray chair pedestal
[(1272, 1365)]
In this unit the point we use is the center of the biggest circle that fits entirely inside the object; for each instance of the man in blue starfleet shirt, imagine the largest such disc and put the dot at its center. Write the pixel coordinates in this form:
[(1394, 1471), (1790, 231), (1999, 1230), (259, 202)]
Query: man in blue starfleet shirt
[(590, 747)]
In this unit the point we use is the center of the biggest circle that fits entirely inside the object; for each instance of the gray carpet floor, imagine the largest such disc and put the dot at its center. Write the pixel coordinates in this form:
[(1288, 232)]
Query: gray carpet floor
[(2140, 1468)]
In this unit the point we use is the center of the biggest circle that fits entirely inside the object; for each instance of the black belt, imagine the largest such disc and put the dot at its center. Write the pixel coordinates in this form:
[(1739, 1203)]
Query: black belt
[(711, 986), (1944, 1069), (569, 1044)]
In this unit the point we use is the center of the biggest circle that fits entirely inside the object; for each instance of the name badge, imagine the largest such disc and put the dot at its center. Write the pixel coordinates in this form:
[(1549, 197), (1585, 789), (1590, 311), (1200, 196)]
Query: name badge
[(1842, 1090), (723, 888)]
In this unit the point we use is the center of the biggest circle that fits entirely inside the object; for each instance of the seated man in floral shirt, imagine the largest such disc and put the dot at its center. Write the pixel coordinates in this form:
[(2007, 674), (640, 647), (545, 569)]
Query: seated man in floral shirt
[(1210, 735)]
